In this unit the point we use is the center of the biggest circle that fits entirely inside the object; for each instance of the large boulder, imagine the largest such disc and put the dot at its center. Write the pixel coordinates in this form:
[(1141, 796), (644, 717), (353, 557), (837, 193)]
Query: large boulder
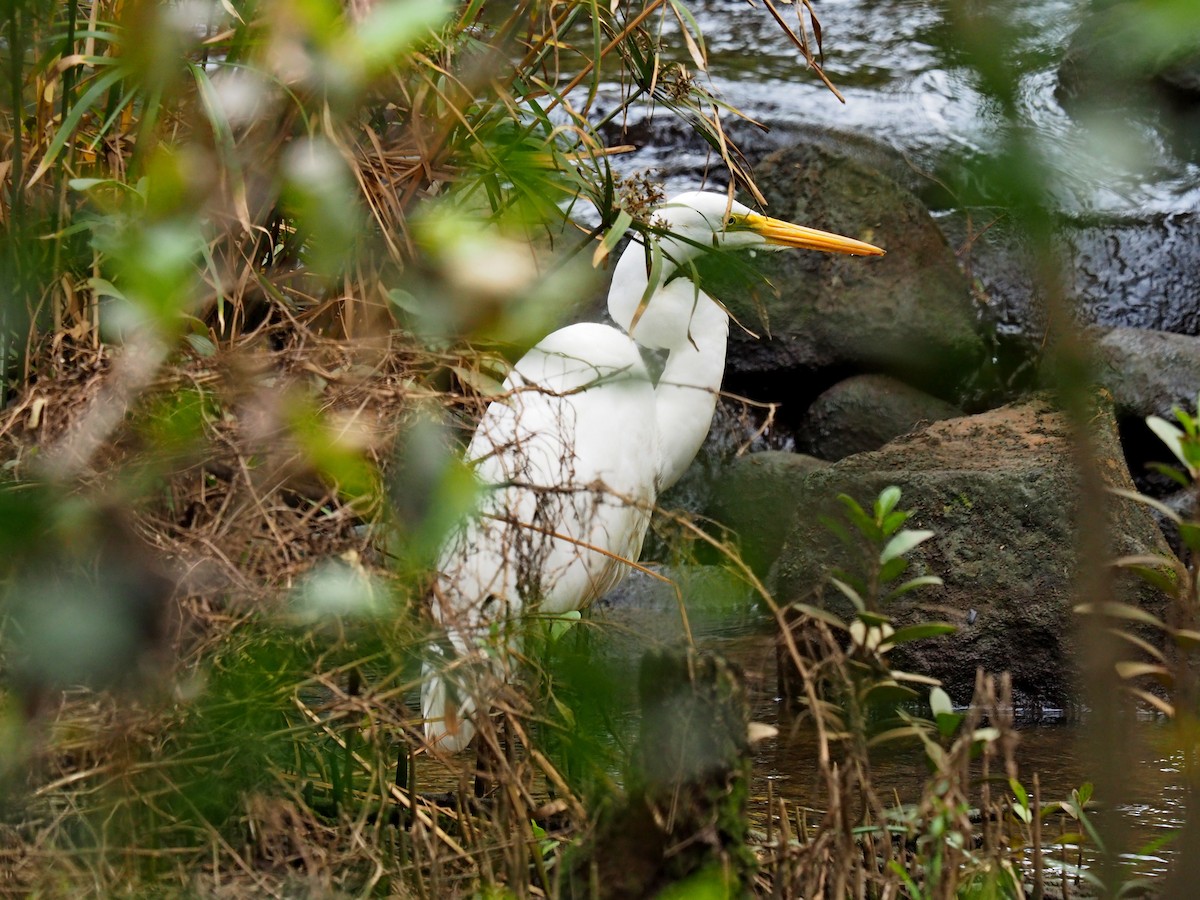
[(1138, 271), (1000, 492), (909, 313), (865, 412)]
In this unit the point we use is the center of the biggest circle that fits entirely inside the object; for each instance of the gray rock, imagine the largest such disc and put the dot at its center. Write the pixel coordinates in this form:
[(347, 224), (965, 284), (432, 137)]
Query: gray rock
[(910, 312), (865, 412), (1148, 372), (756, 498), (1128, 271), (1000, 492)]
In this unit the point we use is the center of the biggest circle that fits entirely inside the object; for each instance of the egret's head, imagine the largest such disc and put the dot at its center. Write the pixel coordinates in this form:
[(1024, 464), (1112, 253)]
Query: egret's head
[(707, 219), (697, 220)]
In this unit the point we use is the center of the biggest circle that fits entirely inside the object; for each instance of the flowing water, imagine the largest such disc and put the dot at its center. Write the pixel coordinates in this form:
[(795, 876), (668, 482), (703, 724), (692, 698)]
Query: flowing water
[(907, 86)]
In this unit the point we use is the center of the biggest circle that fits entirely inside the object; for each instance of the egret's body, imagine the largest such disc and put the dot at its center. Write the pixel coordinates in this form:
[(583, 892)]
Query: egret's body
[(572, 458)]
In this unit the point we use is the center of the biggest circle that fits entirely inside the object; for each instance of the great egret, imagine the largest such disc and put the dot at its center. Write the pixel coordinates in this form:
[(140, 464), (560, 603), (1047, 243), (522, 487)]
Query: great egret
[(573, 456)]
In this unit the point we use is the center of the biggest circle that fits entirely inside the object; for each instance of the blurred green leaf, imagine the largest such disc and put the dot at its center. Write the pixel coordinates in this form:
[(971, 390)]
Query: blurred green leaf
[(903, 543)]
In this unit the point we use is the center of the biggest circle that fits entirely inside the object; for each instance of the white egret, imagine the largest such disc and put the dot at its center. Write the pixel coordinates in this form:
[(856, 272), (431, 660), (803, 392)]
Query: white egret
[(572, 458)]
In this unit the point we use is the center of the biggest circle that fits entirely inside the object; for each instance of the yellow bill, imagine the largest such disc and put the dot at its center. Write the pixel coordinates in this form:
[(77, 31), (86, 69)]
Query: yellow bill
[(785, 234)]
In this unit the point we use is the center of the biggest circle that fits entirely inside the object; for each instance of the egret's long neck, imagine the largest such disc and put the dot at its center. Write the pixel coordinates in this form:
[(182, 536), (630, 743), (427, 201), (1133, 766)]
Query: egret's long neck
[(686, 395), (693, 330)]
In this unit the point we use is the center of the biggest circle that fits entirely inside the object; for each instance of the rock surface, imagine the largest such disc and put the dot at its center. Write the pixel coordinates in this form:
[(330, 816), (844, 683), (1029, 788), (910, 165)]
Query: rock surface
[(1000, 492), (1128, 271), (910, 312), (864, 413), (756, 498), (1148, 372)]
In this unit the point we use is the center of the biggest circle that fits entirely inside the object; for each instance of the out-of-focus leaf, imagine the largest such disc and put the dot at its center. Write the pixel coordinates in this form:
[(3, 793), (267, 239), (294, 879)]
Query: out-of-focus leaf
[(392, 27), (939, 702), (1170, 435), (886, 502), (903, 543)]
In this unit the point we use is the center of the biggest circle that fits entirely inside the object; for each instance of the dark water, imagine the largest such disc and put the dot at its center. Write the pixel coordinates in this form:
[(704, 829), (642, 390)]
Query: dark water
[(906, 85), (1054, 751), (643, 614)]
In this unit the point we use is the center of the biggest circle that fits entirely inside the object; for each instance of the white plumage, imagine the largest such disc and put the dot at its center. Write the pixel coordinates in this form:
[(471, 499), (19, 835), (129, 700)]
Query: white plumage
[(573, 456)]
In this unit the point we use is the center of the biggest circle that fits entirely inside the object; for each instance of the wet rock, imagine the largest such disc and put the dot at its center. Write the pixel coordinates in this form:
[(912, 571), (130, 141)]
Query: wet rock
[(756, 498), (1129, 271), (908, 313), (1149, 372), (1000, 492), (865, 412)]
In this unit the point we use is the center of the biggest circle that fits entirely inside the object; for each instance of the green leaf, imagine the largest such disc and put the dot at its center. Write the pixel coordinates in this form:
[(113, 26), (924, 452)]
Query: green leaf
[(948, 723), (1129, 669), (1165, 580), (903, 543), (202, 345), (893, 521), (889, 692), (915, 678), (837, 529), (888, 498), (822, 615), (1170, 435), (859, 519), (851, 594), (612, 237), (1083, 794), (911, 585), (939, 702), (1170, 472), (1186, 638), (99, 87), (901, 732), (562, 623), (105, 288), (892, 569), (1189, 533), (1018, 789), (1156, 505), (1120, 611)]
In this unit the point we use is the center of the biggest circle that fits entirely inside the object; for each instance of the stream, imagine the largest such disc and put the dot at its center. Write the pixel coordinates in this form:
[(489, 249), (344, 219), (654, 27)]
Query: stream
[(907, 87)]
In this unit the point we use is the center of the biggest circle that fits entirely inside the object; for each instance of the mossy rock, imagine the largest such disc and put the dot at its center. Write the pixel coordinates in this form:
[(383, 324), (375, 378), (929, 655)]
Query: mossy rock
[(1001, 494)]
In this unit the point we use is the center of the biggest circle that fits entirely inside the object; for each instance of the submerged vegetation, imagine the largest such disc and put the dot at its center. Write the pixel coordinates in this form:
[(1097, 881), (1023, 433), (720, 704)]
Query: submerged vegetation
[(262, 263)]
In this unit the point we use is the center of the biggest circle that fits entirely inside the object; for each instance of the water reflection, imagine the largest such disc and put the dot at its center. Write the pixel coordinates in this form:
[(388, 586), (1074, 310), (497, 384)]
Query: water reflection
[(1050, 750)]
